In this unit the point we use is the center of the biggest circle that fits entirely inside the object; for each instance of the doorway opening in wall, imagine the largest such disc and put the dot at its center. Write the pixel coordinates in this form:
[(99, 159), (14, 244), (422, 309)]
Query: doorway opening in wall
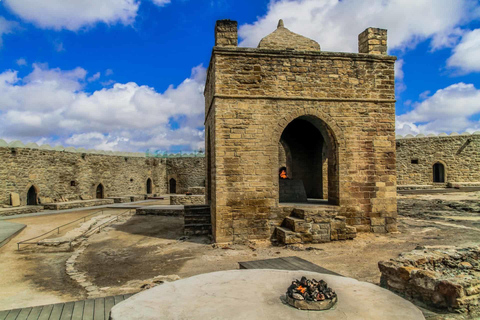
[(172, 185), (100, 194), (307, 168), (149, 186), (32, 197), (438, 172)]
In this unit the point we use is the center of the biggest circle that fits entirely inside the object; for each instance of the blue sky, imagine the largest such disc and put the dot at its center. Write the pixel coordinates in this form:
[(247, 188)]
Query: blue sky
[(128, 75)]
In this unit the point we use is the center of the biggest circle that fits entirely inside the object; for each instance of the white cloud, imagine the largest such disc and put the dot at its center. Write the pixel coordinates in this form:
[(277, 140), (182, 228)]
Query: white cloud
[(74, 14), (95, 77), (161, 3), (466, 56), (53, 102), (21, 62), (6, 27), (108, 72), (336, 24), (449, 109)]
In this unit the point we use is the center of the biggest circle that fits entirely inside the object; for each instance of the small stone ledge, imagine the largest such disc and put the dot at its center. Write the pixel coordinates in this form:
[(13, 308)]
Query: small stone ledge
[(20, 210), (77, 204), (187, 199)]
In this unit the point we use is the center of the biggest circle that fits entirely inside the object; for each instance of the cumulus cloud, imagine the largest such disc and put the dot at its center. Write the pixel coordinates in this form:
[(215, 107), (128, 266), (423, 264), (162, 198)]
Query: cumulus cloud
[(128, 116), (6, 27), (21, 62), (74, 14), (95, 77), (447, 110), (161, 3), (466, 55), (336, 24)]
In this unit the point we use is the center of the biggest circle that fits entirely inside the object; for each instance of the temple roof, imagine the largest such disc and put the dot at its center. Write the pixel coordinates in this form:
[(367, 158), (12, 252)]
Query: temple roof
[(284, 39)]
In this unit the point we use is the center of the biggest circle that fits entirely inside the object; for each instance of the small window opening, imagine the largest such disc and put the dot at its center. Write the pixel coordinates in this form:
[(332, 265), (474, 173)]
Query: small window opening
[(14, 152), (131, 180), (414, 161), (73, 183)]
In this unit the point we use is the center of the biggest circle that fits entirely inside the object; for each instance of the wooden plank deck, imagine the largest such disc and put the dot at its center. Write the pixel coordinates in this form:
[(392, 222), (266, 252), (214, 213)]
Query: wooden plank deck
[(91, 309), (286, 263)]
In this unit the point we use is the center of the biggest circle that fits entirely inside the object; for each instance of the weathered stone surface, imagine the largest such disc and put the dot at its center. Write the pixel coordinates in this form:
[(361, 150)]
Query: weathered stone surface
[(184, 199), (442, 278), (284, 39), (14, 199)]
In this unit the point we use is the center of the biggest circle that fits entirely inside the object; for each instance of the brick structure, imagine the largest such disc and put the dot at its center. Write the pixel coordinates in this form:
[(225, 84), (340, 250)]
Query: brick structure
[(438, 161), (332, 113)]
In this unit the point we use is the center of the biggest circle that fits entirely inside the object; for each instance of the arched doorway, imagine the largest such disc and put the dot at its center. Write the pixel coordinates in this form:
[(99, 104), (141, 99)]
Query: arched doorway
[(173, 185), (438, 172), (310, 156), (32, 197), (100, 193), (149, 186)]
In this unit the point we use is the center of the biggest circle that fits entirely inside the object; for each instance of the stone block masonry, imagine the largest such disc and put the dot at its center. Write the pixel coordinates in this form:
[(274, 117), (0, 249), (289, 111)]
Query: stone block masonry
[(70, 174), (253, 94), (458, 155)]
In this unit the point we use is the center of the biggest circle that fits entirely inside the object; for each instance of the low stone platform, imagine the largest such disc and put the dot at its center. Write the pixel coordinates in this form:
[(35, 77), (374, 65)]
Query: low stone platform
[(20, 210), (161, 210), (187, 199), (259, 294), (77, 204), (126, 199)]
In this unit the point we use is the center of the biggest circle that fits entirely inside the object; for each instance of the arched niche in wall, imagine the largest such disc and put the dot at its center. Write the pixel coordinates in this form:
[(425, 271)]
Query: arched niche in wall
[(149, 186), (439, 172), (100, 191), (32, 196)]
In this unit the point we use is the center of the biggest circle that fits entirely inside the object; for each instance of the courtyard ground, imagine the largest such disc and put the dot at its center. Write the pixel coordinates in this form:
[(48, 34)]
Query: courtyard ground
[(140, 251)]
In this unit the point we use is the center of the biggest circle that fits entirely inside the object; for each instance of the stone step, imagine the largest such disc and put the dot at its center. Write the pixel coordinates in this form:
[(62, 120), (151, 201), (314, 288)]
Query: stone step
[(295, 224), (286, 236), (197, 229), (198, 213), (195, 219)]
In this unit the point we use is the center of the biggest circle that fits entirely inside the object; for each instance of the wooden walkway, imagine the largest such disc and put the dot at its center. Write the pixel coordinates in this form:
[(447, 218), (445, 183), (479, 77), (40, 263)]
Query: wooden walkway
[(92, 309), (287, 263)]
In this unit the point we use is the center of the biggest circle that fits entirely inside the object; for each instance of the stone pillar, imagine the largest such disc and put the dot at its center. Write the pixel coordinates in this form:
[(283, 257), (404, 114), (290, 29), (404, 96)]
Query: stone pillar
[(373, 41), (226, 34)]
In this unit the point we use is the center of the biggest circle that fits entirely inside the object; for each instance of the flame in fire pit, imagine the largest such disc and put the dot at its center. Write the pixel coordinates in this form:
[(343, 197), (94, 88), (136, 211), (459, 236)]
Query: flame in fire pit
[(301, 289)]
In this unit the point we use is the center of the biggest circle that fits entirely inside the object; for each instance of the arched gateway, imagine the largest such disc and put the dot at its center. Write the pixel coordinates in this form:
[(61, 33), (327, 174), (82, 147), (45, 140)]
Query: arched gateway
[(327, 119)]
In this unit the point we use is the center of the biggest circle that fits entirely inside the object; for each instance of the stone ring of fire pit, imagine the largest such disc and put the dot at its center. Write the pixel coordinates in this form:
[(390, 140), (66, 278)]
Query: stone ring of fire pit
[(311, 305)]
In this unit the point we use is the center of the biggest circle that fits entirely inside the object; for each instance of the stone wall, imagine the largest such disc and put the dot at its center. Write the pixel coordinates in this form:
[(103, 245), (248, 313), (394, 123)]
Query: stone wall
[(253, 94), (459, 154), (188, 172), (71, 174), (63, 175)]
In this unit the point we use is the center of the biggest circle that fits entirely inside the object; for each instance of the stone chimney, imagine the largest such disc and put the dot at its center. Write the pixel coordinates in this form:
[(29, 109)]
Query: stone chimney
[(226, 34), (373, 41)]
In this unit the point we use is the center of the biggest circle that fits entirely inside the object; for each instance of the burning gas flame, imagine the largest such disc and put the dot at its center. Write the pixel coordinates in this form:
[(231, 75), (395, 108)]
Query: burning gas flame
[(283, 174), (301, 289)]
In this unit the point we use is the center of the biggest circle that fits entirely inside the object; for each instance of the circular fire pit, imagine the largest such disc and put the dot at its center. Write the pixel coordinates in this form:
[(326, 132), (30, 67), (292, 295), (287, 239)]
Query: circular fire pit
[(307, 294)]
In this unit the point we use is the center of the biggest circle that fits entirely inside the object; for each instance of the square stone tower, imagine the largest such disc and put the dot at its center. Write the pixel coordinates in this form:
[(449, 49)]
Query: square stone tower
[(326, 119)]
